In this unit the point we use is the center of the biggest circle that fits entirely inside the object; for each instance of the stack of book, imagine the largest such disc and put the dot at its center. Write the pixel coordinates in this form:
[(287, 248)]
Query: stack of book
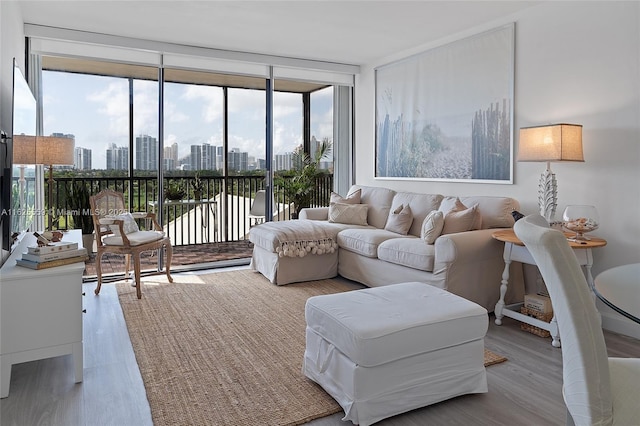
[(52, 254)]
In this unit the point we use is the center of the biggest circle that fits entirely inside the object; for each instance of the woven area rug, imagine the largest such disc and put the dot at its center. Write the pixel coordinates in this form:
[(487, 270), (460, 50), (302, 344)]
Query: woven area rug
[(491, 358), (226, 349)]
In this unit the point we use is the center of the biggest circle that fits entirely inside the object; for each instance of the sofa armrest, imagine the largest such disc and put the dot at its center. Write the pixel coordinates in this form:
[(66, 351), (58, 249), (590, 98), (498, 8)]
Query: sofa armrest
[(314, 213), (474, 246), (471, 265)]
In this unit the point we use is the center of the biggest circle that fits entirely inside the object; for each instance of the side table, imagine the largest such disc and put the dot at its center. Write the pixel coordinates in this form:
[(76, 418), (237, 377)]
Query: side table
[(514, 250)]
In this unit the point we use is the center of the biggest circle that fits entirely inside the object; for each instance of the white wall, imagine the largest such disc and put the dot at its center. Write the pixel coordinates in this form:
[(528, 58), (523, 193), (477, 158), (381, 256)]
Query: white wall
[(11, 45), (576, 62)]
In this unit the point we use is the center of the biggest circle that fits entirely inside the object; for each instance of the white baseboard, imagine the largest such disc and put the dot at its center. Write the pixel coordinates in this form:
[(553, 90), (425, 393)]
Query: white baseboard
[(612, 321)]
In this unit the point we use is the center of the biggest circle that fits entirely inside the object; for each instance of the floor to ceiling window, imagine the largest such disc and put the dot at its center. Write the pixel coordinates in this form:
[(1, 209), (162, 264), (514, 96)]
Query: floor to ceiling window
[(205, 145)]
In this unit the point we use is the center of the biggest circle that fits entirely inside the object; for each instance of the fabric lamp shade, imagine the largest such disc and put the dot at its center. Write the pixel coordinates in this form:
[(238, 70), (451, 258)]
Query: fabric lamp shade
[(48, 150), (24, 149), (556, 142)]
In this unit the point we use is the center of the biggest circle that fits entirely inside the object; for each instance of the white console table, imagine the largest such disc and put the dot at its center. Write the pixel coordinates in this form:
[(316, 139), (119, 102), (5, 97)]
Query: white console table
[(514, 250), (40, 312)]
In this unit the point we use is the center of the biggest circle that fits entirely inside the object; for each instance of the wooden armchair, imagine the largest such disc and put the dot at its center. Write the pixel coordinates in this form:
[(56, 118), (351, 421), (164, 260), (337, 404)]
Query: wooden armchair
[(117, 232)]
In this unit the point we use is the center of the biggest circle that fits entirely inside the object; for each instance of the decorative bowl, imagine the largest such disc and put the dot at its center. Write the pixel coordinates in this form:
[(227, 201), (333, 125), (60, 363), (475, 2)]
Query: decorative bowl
[(580, 219)]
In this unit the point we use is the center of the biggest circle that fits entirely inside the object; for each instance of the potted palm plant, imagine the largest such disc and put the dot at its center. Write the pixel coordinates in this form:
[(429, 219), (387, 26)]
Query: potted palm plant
[(300, 183), (78, 198)]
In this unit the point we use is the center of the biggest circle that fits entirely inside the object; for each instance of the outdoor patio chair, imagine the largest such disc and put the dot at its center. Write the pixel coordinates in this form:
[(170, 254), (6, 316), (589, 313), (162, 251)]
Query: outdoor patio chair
[(257, 212), (117, 232)]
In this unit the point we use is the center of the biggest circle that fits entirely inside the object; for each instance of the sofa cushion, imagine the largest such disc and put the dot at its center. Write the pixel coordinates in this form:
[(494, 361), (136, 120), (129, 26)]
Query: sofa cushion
[(411, 252), (364, 241), (353, 197), (432, 226), (352, 214), (379, 201), (400, 220), (460, 219)]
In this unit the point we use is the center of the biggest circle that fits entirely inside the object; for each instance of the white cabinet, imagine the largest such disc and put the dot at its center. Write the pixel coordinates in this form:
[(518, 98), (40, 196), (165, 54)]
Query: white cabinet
[(40, 312)]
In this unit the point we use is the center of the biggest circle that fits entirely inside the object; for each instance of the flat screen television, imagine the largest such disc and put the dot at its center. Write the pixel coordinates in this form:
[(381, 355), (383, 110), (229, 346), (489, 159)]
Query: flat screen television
[(18, 199)]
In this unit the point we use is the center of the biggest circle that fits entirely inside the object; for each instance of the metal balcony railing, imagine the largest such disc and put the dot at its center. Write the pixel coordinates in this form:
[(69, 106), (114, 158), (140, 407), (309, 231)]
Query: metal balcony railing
[(220, 216)]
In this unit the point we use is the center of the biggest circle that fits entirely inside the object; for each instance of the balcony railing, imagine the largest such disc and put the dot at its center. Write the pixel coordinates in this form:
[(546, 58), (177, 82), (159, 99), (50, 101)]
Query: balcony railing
[(221, 215)]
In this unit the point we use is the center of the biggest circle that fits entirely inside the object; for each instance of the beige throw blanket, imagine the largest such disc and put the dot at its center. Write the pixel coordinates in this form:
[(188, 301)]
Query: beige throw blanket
[(297, 238)]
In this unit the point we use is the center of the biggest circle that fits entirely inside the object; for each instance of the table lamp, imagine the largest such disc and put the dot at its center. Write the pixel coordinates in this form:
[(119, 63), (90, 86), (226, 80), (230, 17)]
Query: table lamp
[(47, 150), (554, 142)]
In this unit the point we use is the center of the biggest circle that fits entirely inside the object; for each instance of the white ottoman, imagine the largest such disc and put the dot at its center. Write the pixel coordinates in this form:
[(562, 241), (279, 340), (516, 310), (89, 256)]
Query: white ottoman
[(386, 350)]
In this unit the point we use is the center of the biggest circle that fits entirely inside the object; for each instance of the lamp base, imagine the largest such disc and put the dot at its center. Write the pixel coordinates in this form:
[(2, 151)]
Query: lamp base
[(548, 195)]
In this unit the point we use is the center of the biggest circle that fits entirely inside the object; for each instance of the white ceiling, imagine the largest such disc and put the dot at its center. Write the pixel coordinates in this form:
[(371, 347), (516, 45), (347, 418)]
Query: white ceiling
[(350, 32)]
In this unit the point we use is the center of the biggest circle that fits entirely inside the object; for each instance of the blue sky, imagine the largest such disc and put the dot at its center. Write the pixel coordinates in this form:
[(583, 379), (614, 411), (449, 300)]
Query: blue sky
[(96, 110)]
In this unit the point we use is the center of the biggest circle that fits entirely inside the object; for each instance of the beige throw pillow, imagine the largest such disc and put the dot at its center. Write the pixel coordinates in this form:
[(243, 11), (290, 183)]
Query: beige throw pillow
[(350, 214), (432, 226), (400, 220), (460, 219), (353, 198)]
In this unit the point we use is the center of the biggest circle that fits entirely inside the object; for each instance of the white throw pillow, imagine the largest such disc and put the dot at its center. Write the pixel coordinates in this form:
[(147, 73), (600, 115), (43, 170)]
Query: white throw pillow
[(352, 198), (129, 224), (432, 226), (400, 220), (351, 214)]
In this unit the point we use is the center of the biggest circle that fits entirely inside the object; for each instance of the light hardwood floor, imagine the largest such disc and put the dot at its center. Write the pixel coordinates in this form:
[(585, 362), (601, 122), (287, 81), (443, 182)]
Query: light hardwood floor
[(525, 390)]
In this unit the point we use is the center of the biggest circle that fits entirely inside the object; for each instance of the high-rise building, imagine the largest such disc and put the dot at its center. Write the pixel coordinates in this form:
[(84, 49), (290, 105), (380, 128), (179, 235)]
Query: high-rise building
[(146, 153), (238, 161), (171, 157), (117, 157), (82, 158), (203, 157), (283, 161)]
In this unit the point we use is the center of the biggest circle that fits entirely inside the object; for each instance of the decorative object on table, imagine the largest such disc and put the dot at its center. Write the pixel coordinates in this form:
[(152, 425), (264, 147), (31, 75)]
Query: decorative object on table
[(555, 142), (47, 150), (51, 254), (580, 219), (516, 215), (174, 191)]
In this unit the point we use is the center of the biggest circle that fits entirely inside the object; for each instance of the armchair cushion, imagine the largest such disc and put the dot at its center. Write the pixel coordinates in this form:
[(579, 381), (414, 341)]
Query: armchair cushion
[(135, 238)]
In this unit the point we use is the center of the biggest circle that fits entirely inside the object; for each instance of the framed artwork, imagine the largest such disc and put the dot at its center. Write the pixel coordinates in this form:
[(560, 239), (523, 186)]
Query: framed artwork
[(447, 113)]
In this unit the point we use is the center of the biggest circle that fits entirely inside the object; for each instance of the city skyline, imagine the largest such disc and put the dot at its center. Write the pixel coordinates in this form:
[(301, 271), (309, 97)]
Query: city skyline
[(96, 110), (200, 157)]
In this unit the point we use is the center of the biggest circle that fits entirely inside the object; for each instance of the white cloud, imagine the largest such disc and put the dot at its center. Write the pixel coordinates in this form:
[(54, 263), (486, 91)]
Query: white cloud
[(113, 102), (210, 96)]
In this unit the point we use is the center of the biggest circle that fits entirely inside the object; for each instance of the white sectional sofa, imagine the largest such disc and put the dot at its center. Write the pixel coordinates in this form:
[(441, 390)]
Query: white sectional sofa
[(464, 259)]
